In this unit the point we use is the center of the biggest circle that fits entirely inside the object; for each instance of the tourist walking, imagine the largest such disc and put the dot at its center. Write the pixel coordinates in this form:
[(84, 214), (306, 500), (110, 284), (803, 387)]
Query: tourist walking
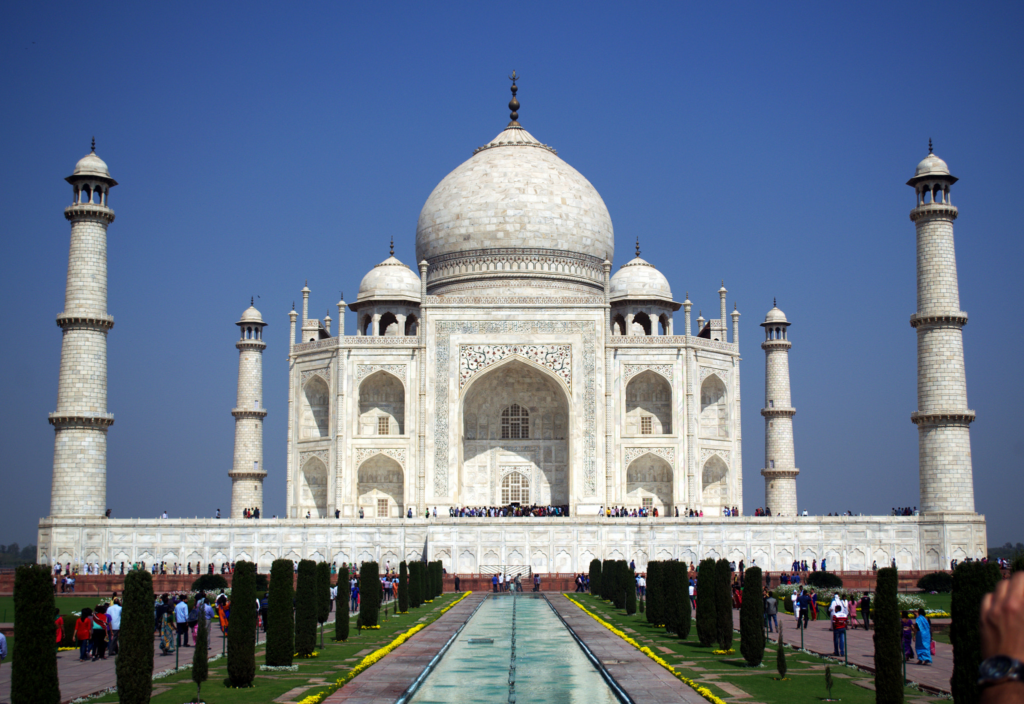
[(839, 620), (907, 636), (181, 620), (924, 643), (865, 610), (114, 618), (771, 613), (83, 633), (167, 631)]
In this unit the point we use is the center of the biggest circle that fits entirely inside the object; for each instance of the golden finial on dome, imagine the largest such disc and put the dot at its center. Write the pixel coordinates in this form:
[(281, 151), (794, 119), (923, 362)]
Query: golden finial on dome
[(513, 104), (637, 247), (392, 246)]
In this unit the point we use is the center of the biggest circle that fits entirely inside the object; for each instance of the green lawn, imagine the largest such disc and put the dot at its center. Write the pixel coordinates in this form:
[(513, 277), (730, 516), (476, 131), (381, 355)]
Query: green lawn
[(66, 604), (313, 676), (805, 679)]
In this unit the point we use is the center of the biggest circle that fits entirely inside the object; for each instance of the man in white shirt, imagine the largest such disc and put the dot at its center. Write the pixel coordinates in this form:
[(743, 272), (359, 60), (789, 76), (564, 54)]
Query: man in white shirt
[(501, 582), (114, 616), (181, 620)]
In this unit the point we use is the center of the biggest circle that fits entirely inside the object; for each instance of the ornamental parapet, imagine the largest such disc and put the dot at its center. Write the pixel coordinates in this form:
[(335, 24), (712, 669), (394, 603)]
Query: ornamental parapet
[(356, 341), (251, 345), (248, 413), (960, 417), (957, 318), (512, 262), (89, 211), (780, 473), (88, 421), (675, 341), (934, 211), (89, 321), (248, 474), (778, 412), (776, 345)]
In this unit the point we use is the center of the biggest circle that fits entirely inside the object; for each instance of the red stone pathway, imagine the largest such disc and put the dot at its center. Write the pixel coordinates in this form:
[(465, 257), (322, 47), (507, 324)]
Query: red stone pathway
[(861, 647), (387, 679)]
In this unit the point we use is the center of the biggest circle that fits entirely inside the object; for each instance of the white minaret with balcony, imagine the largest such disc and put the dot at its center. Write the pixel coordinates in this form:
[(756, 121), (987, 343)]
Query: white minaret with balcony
[(247, 472), (780, 470), (942, 417), (81, 420)]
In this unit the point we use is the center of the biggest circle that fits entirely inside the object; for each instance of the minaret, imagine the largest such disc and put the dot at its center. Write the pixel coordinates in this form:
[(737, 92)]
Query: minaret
[(779, 459), (942, 417), (81, 419), (247, 472)]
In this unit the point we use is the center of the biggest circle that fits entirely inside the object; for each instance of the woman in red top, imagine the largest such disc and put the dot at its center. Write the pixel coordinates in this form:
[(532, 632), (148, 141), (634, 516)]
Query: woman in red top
[(83, 632), (99, 633), (59, 624)]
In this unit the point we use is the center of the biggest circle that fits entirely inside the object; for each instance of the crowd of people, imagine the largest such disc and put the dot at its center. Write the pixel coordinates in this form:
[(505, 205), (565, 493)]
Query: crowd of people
[(509, 511), (905, 511)]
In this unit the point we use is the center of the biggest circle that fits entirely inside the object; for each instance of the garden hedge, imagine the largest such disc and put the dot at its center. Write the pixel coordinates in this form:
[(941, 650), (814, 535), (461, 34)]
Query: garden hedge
[(707, 609), (752, 634), (888, 639), (654, 603), (631, 591), (323, 596), (34, 680), (305, 609), (825, 580), (671, 609), (369, 594), (242, 626), (971, 582), (415, 598), (723, 603), (403, 587), (280, 617), (936, 582), (595, 577), (341, 604), (607, 580), (209, 583), (134, 663), (682, 586)]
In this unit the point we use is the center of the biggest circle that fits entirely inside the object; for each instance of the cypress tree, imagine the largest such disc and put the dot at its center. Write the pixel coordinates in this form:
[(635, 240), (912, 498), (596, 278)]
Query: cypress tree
[(135, 642), (242, 633), (971, 582), (369, 593), (414, 584), (403, 587), (780, 656), (305, 608), (724, 604), (752, 618), (671, 609), (653, 594), (683, 596), (341, 607), (323, 596), (607, 579), (200, 662), (595, 577), (280, 618), (888, 635), (707, 607), (630, 591), (35, 678)]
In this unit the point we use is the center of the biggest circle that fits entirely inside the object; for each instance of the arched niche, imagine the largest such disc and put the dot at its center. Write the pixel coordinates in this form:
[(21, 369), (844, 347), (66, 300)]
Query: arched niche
[(388, 325), (316, 409), (381, 405), (618, 325), (540, 447), (313, 489), (714, 484), (641, 324), (412, 325), (714, 408), (649, 478), (648, 405), (380, 487)]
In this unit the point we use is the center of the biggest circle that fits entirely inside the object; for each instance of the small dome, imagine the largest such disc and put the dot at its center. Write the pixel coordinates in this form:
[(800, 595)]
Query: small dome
[(91, 166), (775, 317), (251, 315), (639, 279), (389, 280), (932, 165)]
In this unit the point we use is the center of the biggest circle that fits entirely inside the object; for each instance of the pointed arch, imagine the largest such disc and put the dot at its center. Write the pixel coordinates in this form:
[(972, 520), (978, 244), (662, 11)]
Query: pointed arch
[(412, 325), (316, 409), (641, 324), (388, 325), (380, 487), (714, 408), (618, 325), (648, 404), (649, 482), (313, 488), (381, 404), (715, 483)]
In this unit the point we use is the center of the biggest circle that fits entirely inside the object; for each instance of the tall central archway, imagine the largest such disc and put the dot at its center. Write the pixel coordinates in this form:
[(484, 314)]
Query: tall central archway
[(515, 419)]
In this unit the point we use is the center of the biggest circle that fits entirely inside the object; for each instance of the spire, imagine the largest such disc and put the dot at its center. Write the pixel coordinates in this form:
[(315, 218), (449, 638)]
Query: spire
[(638, 247), (513, 104), (775, 303), (94, 145), (929, 145), (392, 246)]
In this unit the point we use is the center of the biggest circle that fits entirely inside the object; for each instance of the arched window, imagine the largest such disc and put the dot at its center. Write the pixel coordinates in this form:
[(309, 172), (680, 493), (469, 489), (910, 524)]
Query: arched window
[(388, 325), (515, 488), (714, 410), (515, 423), (618, 325), (412, 325), (641, 324), (315, 409)]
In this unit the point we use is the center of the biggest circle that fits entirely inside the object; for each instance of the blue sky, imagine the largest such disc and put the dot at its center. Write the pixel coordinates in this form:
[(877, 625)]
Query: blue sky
[(260, 145)]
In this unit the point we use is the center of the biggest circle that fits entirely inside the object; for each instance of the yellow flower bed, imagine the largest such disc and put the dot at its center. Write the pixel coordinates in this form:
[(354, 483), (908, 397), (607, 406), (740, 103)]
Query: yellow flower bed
[(314, 654), (445, 609), (702, 691), (730, 651), (371, 659), (61, 650)]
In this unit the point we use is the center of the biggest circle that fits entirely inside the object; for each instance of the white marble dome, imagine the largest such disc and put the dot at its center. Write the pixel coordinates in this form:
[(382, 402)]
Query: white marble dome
[(775, 317), (251, 315), (514, 192), (639, 279), (931, 165), (91, 166), (389, 280)]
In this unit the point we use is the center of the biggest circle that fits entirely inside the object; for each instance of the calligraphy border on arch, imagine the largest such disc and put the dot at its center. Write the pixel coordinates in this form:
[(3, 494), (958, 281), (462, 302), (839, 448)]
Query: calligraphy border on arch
[(395, 453), (476, 358), (323, 455), (365, 370), (706, 452), (705, 372), (666, 453), (631, 370), (322, 372), (446, 328)]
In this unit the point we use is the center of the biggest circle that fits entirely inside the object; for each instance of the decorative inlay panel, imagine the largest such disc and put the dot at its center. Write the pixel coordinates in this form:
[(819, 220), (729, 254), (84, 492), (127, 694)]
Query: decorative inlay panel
[(395, 453), (631, 370), (706, 452), (323, 372), (446, 328), (365, 370), (322, 455), (666, 453), (705, 372), (557, 358)]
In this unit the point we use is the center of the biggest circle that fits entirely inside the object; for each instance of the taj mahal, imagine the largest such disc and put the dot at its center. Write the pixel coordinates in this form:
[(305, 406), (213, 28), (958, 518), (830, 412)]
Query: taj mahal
[(514, 364)]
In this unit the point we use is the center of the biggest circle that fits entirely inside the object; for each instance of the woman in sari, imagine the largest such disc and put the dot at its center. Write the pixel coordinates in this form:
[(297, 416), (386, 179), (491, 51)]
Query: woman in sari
[(167, 632), (223, 612), (924, 638), (907, 634)]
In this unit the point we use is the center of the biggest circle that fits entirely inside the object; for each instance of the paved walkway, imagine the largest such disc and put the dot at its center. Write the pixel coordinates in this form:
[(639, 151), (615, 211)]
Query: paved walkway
[(861, 647), (389, 678), (643, 679)]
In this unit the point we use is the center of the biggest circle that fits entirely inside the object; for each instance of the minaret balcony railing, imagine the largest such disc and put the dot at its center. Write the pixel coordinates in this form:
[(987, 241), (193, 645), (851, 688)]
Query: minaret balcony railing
[(958, 319), (81, 211), (784, 473), (251, 345), (89, 321), (943, 417), (99, 421), (934, 210), (778, 412), (776, 345), (249, 412)]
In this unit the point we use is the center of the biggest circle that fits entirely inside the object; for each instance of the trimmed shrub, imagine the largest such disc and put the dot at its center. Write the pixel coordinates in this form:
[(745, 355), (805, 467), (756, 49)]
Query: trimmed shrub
[(630, 591), (595, 576), (134, 663), (280, 619), (682, 585), (641, 606), (619, 581), (341, 607), (35, 677), (403, 587), (323, 596), (780, 656), (888, 639), (752, 618), (825, 580), (1018, 564), (200, 658), (305, 608), (707, 608), (209, 583), (369, 593), (436, 579), (723, 604), (607, 580), (262, 582), (971, 582), (654, 603), (414, 584), (242, 631), (671, 609), (936, 582)]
